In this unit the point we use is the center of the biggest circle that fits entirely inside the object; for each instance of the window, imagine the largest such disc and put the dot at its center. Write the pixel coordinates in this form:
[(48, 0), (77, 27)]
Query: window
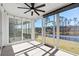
[(50, 26), (70, 24), (50, 30), (38, 30), (69, 30), (15, 30)]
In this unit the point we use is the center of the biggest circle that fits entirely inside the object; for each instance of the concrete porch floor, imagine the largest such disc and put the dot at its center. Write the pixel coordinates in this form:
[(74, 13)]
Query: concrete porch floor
[(32, 48)]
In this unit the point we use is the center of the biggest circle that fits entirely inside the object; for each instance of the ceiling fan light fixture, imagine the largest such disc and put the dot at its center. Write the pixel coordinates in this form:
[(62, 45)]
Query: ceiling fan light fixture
[(32, 8)]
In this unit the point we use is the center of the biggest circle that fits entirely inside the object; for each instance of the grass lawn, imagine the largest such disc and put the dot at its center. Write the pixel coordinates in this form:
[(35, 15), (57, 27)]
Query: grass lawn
[(70, 46)]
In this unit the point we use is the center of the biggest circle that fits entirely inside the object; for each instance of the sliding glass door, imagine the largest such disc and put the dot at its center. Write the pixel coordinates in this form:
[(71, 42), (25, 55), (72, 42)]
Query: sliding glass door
[(15, 30), (19, 30), (26, 30)]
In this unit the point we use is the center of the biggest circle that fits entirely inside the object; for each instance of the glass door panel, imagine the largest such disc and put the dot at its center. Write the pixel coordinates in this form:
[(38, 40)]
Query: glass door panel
[(26, 30), (15, 30)]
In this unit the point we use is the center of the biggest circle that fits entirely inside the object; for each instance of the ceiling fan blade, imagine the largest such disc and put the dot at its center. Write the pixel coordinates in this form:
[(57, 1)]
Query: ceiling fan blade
[(22, 7), (27, 11), (40, 10), (32, 4), (40, 6), (36, 12), (27, 5), (32, 13)]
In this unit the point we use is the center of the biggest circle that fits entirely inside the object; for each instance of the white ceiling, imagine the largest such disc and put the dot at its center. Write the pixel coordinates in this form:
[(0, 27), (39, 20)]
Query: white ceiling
[(12, 9)]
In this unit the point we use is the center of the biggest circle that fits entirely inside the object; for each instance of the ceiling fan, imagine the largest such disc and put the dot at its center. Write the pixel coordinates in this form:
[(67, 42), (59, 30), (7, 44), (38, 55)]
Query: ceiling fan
[(32, 8)]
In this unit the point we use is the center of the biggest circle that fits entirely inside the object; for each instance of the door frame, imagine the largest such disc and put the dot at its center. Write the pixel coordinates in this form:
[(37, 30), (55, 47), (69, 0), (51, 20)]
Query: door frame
[(15, 17)]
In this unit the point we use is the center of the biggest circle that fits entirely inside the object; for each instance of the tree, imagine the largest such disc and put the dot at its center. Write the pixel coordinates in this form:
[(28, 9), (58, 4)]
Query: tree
[(75, 21), (78, 23), (68, 22), (75, 24)]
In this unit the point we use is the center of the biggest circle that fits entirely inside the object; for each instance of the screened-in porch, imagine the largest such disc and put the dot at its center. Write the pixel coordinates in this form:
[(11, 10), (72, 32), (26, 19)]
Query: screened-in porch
[(54, 33)]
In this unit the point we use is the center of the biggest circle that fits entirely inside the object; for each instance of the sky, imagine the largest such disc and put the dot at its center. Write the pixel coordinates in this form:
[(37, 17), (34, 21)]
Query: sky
[(70, 14), (38, 23)]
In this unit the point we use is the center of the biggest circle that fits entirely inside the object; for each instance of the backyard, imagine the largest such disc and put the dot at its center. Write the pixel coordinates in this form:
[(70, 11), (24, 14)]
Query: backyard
[(68, 46)]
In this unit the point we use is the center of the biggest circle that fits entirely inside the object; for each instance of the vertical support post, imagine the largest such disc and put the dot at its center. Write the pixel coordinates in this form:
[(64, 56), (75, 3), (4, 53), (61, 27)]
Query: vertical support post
[(54, 31), (0, 28), (33, 30), (27, 27), (43, 30), (54, 28), (57, 18), (22, 27)]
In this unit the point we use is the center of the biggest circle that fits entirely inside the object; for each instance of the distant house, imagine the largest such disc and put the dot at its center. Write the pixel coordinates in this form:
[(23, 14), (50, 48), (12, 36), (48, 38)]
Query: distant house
[(69, 30)]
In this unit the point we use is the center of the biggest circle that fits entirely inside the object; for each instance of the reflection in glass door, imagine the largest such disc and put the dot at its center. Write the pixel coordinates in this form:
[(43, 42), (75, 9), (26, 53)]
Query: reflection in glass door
[(19, 30), (15, 30), (26, 30)]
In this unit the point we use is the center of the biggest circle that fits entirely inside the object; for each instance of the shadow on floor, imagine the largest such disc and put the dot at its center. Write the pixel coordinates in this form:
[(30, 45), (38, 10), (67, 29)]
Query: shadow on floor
[(7, 51)]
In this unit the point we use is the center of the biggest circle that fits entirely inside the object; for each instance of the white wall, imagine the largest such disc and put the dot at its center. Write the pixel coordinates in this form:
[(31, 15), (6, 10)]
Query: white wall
[(33, 30), (0, 27), (4, 27)]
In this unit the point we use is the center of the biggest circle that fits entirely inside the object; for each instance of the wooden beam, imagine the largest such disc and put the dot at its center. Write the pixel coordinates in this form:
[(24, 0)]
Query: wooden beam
[(65, 8)]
